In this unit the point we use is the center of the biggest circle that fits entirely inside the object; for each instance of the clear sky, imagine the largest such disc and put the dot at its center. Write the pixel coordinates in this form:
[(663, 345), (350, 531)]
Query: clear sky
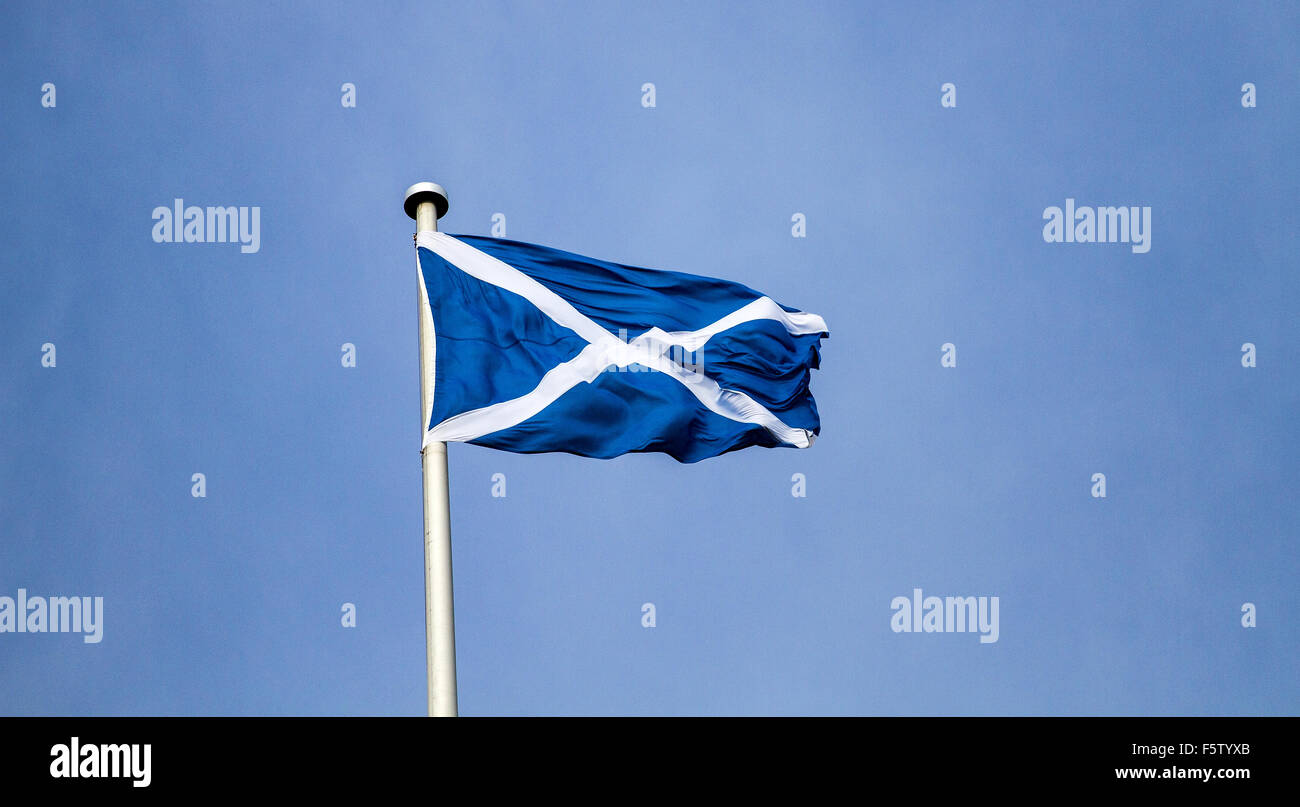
[(924, 227)]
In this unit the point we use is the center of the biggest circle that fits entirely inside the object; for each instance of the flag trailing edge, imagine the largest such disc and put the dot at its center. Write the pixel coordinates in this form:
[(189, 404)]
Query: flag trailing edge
[(532, 354)]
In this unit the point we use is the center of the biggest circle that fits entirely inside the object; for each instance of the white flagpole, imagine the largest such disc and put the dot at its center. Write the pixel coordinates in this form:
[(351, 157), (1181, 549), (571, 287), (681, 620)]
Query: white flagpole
[(426, 203)]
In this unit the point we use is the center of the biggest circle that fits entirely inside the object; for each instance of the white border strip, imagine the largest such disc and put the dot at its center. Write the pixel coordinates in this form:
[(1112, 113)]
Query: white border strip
[(429, 343)]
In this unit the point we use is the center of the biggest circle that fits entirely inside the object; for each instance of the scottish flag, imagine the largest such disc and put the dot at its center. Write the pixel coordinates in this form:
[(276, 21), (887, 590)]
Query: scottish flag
[(537, 350)]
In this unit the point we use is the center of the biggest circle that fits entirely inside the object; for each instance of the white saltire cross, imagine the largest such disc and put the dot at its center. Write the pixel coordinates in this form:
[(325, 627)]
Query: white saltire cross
[(604, 349)]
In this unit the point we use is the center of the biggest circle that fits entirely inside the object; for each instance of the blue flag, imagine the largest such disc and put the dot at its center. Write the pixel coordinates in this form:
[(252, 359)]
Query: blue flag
[(537, 350)]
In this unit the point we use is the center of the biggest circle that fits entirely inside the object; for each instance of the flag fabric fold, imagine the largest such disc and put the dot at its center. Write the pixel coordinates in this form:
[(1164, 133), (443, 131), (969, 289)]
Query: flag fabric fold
[(537, 350)]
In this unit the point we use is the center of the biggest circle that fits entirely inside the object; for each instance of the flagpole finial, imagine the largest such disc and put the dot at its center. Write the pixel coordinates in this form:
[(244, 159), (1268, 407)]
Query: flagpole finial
[(422, 192)]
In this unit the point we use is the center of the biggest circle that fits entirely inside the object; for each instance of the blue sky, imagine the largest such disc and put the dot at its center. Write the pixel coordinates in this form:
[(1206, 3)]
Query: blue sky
[(924, 227)]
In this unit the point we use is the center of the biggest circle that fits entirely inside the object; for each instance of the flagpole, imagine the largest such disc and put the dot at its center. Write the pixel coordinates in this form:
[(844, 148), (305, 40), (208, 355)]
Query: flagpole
[(426, 202)]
